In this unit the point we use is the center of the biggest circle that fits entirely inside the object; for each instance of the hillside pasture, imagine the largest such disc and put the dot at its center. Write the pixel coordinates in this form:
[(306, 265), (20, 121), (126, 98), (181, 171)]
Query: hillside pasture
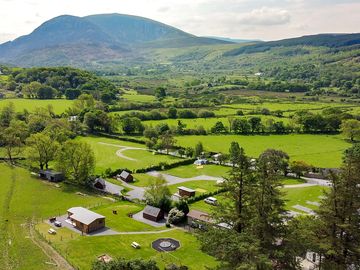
[(58, 105), (319, 150)]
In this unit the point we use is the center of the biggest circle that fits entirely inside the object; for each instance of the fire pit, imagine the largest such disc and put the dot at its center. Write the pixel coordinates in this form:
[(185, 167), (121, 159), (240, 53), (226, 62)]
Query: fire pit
[(165, 244)]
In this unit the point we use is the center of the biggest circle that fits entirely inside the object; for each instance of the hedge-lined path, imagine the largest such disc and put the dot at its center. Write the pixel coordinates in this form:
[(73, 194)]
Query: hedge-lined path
[(172, 180)]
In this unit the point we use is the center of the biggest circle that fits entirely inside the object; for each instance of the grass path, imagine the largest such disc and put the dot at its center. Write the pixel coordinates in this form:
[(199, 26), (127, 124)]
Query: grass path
[(124, 148)]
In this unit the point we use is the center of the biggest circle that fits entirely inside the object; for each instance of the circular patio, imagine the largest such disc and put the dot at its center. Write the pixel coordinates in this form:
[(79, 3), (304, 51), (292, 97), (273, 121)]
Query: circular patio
[(165, 244)]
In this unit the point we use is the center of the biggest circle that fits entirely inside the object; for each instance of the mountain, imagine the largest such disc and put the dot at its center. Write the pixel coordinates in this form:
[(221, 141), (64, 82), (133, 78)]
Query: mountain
[(68, 39), (321, 40), (235, 40)]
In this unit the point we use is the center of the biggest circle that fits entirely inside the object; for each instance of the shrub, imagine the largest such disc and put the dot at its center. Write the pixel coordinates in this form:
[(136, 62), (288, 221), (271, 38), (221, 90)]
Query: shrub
[(175, 216)]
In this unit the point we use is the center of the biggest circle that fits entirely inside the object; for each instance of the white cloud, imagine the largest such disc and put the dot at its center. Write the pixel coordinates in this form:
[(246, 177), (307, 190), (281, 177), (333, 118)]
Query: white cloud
[(265, 16)]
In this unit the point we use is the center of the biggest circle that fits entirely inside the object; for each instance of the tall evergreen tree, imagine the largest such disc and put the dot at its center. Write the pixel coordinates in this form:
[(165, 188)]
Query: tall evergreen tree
[(339, 220)]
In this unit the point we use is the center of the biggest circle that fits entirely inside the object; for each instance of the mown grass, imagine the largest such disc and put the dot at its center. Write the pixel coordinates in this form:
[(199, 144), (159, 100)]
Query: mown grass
[(82, 251), (319, 150), (191, 170), (106, 155), (59, 105), (23, 199)]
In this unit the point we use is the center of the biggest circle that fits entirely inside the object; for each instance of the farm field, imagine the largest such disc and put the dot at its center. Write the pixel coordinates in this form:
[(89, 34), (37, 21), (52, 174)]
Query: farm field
[(59, 105), (317, 150), (82, 251), (105, 152), (21, 201)]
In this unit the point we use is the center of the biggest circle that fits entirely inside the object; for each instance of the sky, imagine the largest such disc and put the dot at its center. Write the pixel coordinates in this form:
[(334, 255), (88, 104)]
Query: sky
[(244, 19)]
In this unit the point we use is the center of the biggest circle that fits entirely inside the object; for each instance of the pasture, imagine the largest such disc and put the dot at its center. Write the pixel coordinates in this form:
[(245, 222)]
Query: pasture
[(318, 150), (59, 105), (131, 156), (21, 201)]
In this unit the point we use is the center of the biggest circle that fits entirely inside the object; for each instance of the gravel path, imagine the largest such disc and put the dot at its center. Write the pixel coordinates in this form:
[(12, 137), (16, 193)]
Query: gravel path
[(123, 148)]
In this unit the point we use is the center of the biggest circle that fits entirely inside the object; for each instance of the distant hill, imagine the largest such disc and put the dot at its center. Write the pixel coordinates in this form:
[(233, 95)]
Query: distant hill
[(325, 40), (235, 40), (67, 39)]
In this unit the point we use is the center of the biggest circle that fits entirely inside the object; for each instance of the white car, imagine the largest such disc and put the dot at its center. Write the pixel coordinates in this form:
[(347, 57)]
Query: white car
[(57, 224), (211, 200)]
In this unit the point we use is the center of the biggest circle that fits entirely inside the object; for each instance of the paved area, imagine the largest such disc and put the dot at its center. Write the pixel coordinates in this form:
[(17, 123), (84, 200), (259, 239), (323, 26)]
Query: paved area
[(66, 224), (300, 185), (112, 188), (135, 192), (171, 179), (319, 182), (304, 209), (139, 217)]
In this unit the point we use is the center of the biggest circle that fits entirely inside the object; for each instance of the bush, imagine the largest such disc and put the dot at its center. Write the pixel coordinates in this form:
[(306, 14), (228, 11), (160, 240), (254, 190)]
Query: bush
[(175, 216)]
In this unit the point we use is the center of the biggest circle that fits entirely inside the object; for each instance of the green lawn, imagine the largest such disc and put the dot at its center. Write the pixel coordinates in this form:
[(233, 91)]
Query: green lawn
[(300, 196), (192, 171), (319, 150), (106, 155), (143, 179), (59, 105), (23, 198), (200, 186), (292, 181), (121, 222), (81, 251)]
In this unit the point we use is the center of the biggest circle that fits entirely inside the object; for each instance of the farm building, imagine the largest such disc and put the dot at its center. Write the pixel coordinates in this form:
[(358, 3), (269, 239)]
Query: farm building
[(186, 192), (85, 220), (51, 175), (196, 216), (153, 213), (99, 183), (126, 176)]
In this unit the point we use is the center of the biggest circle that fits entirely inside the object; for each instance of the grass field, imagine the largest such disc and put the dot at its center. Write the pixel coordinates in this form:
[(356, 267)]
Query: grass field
[(59, 105), (82, 251), (318, 150), (192, 171), (23, 198), (106, 155)]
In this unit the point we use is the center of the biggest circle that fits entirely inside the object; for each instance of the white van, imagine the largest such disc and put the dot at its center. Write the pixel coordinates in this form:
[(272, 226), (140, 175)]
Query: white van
[(211, 200)]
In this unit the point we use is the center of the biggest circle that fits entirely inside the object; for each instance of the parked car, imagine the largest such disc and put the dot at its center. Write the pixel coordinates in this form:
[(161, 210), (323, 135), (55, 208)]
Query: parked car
[(57, 224), (211, 200)]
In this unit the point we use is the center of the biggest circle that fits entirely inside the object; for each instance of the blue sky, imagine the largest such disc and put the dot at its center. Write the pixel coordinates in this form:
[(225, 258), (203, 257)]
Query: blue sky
[(249, 19)]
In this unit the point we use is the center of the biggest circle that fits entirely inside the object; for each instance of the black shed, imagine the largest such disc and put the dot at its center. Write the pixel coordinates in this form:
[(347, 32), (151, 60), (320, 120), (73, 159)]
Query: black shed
[(153, 213)]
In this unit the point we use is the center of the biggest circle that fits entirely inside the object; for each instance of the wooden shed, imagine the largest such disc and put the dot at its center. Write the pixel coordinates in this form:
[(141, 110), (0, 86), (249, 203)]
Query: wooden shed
[(99, 183), (153, 213), (196, 216), (126, 176), (85, 220), (186, 192), (51, 175)]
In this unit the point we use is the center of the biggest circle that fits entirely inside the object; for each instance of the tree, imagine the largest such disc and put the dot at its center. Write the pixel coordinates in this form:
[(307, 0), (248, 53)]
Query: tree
[(172, 113), (299, 167), (46, 92), (123, 264), (13, 138), (235, 153), (31, 90), (199, 149), (77, 161), (7, 114), (255, 124), (218, 128), (167, 141), (351, 129), (241, 126), (41, 149), (160, 92), (338, 230), (279, 160), (158, 194)]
